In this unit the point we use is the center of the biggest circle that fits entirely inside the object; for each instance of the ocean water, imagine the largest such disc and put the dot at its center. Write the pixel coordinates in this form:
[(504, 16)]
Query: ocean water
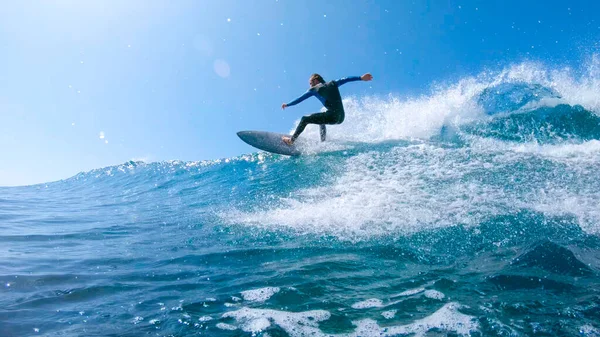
[(473, 210)]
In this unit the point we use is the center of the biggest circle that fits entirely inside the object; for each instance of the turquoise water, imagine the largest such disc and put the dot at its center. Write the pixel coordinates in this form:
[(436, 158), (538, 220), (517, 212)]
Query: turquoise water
[(473, 210)]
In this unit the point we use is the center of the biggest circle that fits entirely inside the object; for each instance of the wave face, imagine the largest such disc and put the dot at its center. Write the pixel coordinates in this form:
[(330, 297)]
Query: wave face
[(473, 210)]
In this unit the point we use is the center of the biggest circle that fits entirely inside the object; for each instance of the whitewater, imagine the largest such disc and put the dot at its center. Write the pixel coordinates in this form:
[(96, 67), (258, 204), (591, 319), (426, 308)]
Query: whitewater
[(472, 210)]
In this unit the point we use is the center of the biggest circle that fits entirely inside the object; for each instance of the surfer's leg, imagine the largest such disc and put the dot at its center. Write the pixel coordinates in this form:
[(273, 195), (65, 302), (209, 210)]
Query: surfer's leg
[(317, 118), (323, 132)]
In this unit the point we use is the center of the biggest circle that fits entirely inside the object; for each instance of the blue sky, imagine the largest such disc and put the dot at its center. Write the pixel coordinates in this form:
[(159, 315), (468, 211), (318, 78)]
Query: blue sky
[(87, 84)]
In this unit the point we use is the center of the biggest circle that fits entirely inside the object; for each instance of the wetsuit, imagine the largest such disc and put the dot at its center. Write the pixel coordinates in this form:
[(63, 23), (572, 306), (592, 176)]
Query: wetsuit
[(329, 94)]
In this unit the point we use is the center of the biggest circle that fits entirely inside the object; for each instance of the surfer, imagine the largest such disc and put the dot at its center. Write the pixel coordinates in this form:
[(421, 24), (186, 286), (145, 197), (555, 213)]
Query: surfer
[(329, 94)]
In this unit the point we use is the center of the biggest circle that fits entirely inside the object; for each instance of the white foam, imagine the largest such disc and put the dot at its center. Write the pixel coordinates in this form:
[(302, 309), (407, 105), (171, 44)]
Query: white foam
[(574, 87), (579, 88), (308, 144), (256, 325), (420, 187), (447, 318), (410, 292), (205, 318), (381, 193), (376, 119), (295, 324), (389, 314), (370, 303), (589, 330), (224, 326), (434, 294), (558, 201), (555, 198), (259, 295), (588, 151)]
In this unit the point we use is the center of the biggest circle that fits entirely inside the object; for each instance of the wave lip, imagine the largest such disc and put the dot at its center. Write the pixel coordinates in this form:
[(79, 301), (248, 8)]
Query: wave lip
[(559, 124), (507, 97)]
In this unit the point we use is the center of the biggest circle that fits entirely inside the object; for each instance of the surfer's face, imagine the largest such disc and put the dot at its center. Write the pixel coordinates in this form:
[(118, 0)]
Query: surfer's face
[(313, 81)]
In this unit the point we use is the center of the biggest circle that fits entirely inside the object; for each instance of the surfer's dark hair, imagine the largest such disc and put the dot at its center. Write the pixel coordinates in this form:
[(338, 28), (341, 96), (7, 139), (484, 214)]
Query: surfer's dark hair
[(318, 77)]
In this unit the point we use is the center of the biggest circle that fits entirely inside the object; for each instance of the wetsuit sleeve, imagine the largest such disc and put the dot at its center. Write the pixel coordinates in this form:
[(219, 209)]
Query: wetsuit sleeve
[(301, 98), (345, 80)]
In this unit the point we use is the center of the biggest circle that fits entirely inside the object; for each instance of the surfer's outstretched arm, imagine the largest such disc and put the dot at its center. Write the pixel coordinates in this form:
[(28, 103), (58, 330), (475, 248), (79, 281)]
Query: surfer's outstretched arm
[(365, 77), (299, 99)]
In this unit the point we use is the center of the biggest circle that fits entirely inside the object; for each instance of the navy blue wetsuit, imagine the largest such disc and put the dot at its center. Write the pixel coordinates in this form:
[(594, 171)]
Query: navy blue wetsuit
[(329, 94)]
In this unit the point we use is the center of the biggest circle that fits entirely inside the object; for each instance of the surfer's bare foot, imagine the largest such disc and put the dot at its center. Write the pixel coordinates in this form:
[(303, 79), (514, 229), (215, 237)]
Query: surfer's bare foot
[(288, 140)]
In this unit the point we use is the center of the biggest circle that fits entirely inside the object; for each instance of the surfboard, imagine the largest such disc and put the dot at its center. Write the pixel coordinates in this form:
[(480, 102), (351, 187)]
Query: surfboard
[(270, 142)]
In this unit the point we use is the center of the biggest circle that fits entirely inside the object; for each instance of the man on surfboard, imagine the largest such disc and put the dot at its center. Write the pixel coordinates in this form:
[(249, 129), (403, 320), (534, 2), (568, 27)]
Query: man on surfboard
[(329, 94)]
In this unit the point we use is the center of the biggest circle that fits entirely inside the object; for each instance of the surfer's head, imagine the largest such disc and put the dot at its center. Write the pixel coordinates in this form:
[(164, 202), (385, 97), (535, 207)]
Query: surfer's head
[(315, 79)]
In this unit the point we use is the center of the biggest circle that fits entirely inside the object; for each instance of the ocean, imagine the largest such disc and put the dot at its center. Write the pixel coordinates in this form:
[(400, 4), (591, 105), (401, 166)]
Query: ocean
[(471, 210)]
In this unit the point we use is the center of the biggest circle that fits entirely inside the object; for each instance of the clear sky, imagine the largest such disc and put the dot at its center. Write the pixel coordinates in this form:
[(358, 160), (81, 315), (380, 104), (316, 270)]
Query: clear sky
[(87, 84)]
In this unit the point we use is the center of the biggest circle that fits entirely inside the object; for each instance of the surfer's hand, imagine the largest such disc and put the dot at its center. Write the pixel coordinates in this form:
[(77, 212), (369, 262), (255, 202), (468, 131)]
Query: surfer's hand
[(283, 106), (366, 77)]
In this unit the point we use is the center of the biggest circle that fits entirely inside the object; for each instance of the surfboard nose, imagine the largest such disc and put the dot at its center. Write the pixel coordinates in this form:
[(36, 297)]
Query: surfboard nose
[(244, 135)]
